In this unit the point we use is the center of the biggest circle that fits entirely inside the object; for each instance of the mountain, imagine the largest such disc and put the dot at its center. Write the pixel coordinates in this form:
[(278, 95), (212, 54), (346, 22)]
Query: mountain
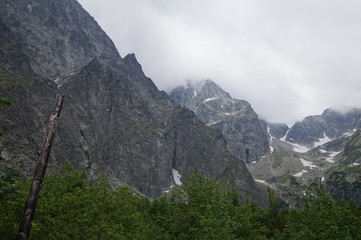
[(235, 118), (322, 148), (330, 123), (288, 160), (114, 119)]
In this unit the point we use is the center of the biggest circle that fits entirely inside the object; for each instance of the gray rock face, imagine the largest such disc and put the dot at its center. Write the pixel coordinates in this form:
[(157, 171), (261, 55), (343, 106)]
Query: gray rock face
[(331, 123), (114, 119), (60, 37), (278, 130), (235, 118)]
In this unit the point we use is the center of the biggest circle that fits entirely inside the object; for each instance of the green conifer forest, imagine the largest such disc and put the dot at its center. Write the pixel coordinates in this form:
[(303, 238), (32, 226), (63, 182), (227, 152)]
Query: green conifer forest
[(72, 206)]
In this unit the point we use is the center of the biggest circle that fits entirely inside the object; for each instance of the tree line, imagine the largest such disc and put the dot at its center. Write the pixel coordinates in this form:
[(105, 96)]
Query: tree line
[(72, 206)]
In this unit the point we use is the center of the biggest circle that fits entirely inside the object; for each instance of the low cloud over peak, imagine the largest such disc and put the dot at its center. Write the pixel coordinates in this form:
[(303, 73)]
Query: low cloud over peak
[(289, 59)]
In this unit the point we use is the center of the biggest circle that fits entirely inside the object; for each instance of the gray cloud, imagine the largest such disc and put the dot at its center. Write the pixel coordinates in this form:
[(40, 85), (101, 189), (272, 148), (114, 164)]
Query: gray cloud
[(287, 58)]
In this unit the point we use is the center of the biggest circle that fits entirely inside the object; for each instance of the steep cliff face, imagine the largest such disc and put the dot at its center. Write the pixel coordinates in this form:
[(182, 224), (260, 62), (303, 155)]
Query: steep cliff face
[(58, 37), (236, 119), (114, 119)]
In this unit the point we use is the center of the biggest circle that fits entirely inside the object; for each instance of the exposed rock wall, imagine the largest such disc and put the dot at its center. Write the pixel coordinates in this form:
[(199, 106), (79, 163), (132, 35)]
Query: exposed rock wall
[(114, 119), (236, 119)]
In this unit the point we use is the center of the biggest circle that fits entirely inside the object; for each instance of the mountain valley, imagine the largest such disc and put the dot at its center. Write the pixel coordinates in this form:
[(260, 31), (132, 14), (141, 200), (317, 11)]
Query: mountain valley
[(290, 161), (116, 122)]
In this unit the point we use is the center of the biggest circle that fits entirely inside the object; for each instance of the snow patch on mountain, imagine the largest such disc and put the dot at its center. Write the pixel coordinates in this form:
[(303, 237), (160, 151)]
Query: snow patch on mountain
[(271, 139), (300, 173), (264, 183), (271, 149), (323, 140), (210, 99), (176, 177), (296, 147), (347, 134), (230, 113), (331, 156), (269, 133), (299, 148), (308, 164), (285, 136)]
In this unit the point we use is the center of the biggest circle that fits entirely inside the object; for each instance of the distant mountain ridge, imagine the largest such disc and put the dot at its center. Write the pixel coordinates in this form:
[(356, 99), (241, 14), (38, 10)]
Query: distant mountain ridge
[(316, 149), (330, 123), (289, 160)]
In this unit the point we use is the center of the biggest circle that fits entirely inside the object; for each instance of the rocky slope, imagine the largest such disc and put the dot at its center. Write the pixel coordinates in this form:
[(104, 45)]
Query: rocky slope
[(114, 119), (343, 179), (324, 149), (236, 119)]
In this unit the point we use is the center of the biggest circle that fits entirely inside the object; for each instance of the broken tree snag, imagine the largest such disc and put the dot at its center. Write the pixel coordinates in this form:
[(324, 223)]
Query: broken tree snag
[(30, 206)]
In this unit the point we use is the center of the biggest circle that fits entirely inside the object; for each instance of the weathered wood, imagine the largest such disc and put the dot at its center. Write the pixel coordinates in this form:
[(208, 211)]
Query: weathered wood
[(30, 206)]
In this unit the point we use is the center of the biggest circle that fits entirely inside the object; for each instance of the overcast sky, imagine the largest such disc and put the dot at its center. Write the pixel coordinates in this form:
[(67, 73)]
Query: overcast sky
[(288, 58)]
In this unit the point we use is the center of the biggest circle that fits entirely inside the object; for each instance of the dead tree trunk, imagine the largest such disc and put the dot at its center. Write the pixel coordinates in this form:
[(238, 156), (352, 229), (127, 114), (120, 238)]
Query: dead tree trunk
[(30, 206)]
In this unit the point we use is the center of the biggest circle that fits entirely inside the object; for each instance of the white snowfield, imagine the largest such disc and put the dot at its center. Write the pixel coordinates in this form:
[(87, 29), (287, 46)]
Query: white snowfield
[(261, 181), (299, 148), (264, 183), (269, 133), (271, 148), (303, 149), (231, 113), (308, 164), (210, 99), (331, 156), (323, 140), (285, 136), (176, 177), (350, 133), (300, 173), (305, 163), (296, 147), (271, 139)]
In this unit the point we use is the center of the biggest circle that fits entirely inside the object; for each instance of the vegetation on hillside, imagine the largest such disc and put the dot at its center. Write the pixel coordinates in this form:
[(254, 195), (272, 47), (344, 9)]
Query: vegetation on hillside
[(74, 207)]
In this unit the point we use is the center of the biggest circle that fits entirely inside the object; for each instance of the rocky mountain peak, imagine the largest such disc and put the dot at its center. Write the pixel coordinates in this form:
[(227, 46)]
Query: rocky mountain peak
[(235, 118), (131, 59), (207, 89)]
